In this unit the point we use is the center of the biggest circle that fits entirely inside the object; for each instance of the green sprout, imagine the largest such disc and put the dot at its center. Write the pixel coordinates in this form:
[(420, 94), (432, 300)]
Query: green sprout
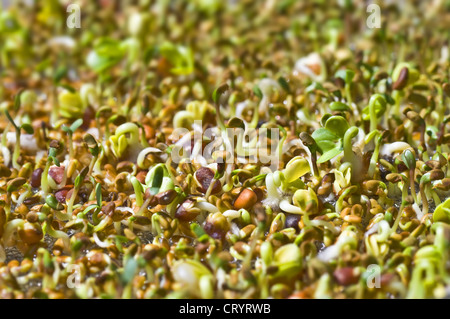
[(330, 138), (27, 128), (70, 130)]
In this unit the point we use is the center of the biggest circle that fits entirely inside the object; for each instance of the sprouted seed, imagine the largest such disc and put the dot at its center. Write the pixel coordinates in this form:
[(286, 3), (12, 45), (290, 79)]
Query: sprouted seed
[(224, 149)]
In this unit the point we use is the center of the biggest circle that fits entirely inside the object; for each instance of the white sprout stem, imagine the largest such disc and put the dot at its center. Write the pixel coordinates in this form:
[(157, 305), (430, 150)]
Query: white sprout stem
[(210, 208), (6, 155), (103, 244), (231, 214), (23, 196), (325, 224), (16, 152), (289, 208), (271, 188), (59, 234), (137, 226), (143, 154)]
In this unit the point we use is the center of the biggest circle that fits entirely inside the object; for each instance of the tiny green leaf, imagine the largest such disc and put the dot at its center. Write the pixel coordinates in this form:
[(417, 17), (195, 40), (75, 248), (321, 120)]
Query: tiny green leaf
[(257, 92), (17, 100), (98, 194), (75, 125), (27, 128), (346, 75), (284, 84)]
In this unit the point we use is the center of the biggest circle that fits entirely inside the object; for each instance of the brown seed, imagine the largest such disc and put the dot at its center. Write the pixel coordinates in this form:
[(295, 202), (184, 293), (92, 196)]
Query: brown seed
[(62, 193), (36, 178), (166, 197), (129, 234), (402, 80), (125, 166), (142, 220), (141, 176), (247, 198), (433, 164), (55, 144), (352, 219), (204, 176), (149, 132), (108, 209), (69, 195), (4, 171), (186, 211), (259, 194), (345, 276), (436, 174), (58, 246), (22, 209), (122, 182), (30, 234), (216, 226), (444, 185), (247, 230), (386, 279), (15, 183), (32, 217), (32, 200), (57, 173)]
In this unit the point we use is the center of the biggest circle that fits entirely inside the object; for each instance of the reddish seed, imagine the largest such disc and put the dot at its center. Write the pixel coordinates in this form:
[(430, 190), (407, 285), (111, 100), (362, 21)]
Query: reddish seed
[(57, 173), (204, 176), (386, 279), (246, 199), (62, 193), (214, 231), (345, 276), (141, 176), (402, 80)]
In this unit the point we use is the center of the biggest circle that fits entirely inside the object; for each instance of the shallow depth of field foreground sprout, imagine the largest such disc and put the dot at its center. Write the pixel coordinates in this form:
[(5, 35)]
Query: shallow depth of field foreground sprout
[(225, 149)]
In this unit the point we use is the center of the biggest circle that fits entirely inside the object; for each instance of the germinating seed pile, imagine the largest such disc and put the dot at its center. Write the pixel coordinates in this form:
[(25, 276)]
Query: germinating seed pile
[(336, 184)]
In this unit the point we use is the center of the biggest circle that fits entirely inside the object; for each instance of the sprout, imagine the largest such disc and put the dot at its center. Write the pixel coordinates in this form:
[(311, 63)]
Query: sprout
[(330, 138), (77, 184), (27, 128), (410, 161), (70, 130), (94, 149), (216, 98), (347, 76), (442, 212), (120, 142), (196, 278), (180, 57), (428, 177), (312, 66), (55, 148), (195, 111), (158, 179), (70, 104), (288, 259), (375, 109)]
